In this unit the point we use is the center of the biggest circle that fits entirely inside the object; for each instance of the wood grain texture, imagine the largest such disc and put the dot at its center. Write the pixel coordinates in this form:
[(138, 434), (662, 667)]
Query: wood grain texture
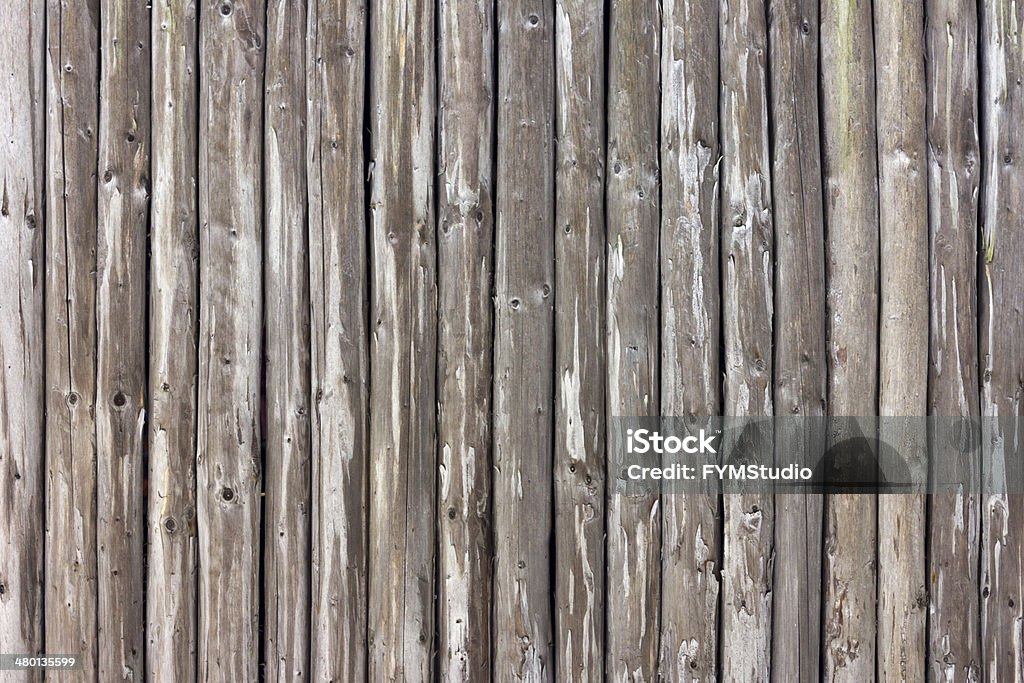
[(800, 375), (1002, 345), (22, 123), (228, 457), (465, 271), (524, 342), (172, 556), (634, 521), (579, 467), (690, 327), (339, 362), (72, 78), (849, 161), (747, 264), (121, 248), (403, 458), (286, 375), (903, 333), (954, 172)]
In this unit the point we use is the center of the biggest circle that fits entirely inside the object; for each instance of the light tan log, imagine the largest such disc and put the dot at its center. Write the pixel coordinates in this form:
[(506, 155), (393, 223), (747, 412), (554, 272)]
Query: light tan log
[(690, 327), (286, 591), (465, 263), (22, 45), (403, 495), (121, 247), (1002, 344), (747, 303), (72, 84), (800, 381), (634, 520), (579, 467), (903, 334), (851, 253), (524, 342), (171, 582), (954, 172), (228, 459), (339, 297)]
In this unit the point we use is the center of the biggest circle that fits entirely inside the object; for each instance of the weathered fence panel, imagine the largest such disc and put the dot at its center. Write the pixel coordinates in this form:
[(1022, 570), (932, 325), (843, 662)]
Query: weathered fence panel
[(320, 321)]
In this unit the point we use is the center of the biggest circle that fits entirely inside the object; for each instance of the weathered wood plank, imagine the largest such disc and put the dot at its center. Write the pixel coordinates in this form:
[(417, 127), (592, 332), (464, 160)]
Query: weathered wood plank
[(22, 122), (851, 259), (747, 303), (800, 376), (634, 521), (954, 643), (579, 467), (339, 295), (121, 247), (903, 333), (171, 584), (286, 333), (1002, 344), (466, 228), (403, 494), (70, 601), (690, 326), (523, 341), (228, 455)]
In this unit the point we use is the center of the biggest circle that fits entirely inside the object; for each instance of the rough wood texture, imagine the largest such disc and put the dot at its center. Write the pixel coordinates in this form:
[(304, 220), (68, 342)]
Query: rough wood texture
[(21, 326), (72, 77), (466, 229), (903, 334), (747, 304), (339, 297), (286, 333), (403, 494), (634, 521), (690, 327), (954, 643), (1002, 344), (172, 559), (579, 468), (123, 206), (851, 223), (523, 342), (800, 376), (228, 459)]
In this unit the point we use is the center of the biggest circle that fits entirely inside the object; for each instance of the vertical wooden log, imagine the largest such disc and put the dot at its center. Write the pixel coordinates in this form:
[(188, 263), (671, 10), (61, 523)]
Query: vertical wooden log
[(230, 336), (851, 251), (747, 293), (339, 297), (173, 355), (903, 333), (690, 337), (286, 330), (21, 326), (799, 383), (954, 643), (72, 71), (579, 468), (121, 248), (523, 342), (1002, 348), (402, 353), (634, 523), (466, 219)]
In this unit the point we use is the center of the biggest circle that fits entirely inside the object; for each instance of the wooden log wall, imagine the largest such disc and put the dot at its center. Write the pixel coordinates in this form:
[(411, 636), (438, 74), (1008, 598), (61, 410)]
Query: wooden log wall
[(316, 317)]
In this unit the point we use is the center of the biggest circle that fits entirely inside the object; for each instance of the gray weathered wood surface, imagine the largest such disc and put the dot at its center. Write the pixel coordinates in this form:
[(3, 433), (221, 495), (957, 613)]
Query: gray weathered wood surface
[(318, 319), (22, 121)]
